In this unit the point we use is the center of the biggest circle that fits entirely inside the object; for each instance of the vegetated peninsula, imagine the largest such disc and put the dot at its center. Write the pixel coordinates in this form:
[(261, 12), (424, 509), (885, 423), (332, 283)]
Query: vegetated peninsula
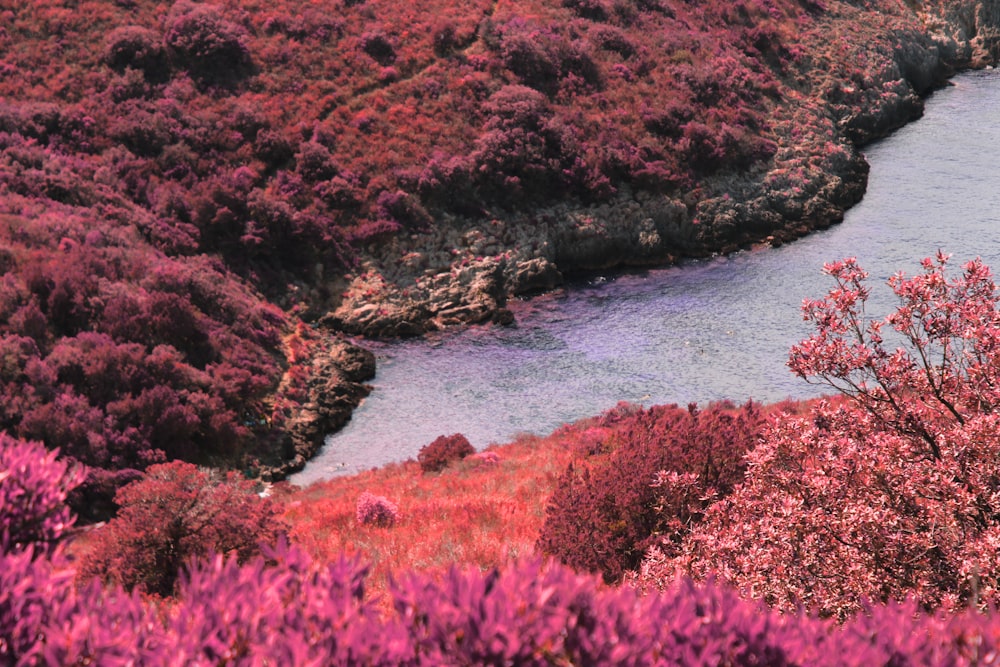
[(197, 199)]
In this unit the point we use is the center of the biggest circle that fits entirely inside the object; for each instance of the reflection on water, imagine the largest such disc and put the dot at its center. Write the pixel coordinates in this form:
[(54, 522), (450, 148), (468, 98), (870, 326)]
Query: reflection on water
[(707, 330)]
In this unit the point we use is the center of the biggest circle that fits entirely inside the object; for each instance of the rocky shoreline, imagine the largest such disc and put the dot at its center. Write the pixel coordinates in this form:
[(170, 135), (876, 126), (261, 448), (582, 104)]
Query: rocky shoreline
[(465, 270)]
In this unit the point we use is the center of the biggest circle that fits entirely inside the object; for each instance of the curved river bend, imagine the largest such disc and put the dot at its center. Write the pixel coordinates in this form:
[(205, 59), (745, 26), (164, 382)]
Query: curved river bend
[(702, 331)]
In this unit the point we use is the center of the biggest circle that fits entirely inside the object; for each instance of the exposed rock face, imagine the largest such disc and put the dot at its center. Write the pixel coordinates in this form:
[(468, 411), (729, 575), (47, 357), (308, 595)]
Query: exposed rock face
[(528, 254), (336, 387)]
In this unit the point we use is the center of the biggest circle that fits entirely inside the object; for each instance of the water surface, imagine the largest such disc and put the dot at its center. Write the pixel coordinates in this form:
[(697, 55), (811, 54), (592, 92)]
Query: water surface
[(703, 331)]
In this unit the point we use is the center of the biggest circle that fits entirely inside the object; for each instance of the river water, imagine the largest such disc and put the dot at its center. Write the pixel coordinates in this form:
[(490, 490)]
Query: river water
[(702, 331)]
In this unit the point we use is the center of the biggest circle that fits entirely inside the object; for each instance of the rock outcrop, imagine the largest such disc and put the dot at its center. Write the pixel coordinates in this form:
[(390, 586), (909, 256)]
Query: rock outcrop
[(335, 388)]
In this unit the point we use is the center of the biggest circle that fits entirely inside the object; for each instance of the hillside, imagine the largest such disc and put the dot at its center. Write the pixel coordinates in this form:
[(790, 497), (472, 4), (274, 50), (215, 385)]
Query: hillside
[(197, 199)]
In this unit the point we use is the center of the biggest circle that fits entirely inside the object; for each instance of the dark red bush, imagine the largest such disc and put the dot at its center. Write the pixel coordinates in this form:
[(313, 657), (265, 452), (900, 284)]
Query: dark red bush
[(378, 45), (445, 449), (314, 163), (400, 207), (175, 512), (205, 43), (594, 10), (444, 39), (614, 40), (138, 48), (608, 510)]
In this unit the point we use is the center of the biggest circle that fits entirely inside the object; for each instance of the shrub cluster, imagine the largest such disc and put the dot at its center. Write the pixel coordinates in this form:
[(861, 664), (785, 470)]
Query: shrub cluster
[(138, 48), (175, 512), (649, 478), (366, 76), (542, 57), (121, 357), (443, 450)]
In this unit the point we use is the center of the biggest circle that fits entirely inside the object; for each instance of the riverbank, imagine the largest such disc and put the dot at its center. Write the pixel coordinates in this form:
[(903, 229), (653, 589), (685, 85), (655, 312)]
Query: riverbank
[(465, 270), (859, 73), (700, 331)]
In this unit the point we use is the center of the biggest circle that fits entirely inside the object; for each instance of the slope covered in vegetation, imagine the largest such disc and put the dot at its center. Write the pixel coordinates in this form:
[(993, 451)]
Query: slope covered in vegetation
[(185, 186)]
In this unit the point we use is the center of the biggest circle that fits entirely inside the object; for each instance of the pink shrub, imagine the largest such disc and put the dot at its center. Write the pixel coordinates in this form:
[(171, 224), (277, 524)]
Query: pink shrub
[(489, 458), (375, 510), (890, 495)]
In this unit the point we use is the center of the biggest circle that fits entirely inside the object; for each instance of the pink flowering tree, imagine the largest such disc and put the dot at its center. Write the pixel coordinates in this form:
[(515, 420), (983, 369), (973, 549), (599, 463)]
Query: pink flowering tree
[(889, 493), (942, 374)]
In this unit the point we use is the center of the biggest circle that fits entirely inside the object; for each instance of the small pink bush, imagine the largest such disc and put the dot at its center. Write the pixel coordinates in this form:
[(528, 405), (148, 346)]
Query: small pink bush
[(486, 458), (376, 510)]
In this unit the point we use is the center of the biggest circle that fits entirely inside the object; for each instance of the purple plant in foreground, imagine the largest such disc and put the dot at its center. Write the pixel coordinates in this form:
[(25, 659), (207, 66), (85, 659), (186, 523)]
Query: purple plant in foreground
[(33, 490), (285, 609)]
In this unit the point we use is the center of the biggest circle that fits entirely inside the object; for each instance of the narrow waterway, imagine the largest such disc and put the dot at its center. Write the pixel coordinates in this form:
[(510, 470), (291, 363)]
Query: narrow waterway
[(699, 332)]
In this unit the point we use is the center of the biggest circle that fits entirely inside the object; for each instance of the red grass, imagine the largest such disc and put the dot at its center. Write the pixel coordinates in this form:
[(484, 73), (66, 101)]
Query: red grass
[(474, 512)]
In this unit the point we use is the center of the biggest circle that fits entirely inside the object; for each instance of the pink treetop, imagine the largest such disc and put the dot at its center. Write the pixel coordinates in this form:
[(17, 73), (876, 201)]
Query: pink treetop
[(890, 494), (945, 372)]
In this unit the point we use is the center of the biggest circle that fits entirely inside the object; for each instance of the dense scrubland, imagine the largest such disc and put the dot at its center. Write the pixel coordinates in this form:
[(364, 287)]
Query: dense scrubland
[(853, 531), (198, 199)]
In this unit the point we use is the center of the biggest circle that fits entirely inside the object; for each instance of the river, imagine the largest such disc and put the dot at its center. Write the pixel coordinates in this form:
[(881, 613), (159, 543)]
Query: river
[(701, 331)]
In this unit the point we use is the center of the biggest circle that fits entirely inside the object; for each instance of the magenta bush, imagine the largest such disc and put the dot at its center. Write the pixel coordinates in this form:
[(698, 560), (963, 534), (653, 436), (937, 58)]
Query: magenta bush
[(445, 449), (523, 150), (34, 485), (375, 510)]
